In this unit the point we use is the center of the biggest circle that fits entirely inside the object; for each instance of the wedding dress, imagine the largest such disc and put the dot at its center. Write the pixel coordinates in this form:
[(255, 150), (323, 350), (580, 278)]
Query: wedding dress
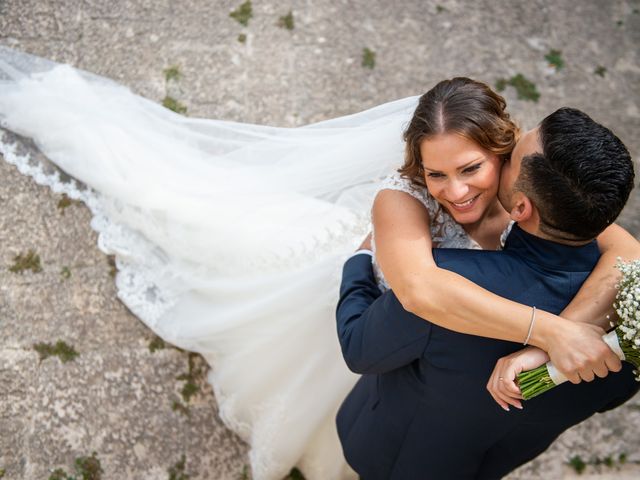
[(229, 238)]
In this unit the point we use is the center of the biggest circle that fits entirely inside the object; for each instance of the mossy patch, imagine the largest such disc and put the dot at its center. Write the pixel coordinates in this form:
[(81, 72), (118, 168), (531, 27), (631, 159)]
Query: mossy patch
[(157, 344), (65, 202), (440, 9), (172, 73), (89, 467), (65, 273), (577, 464), (26, 261), (243, 13), (2, 472), (554, 58), (61, 349), (60, 474), (600, 71), (294, 474), (111, 261), (173, 104), (619, 23), (178, 406), (286, 21), (368, 58), (609, 461), (86, 468), (177, 471), (190, 387), (525, 89), (245, 473), (242, 38)]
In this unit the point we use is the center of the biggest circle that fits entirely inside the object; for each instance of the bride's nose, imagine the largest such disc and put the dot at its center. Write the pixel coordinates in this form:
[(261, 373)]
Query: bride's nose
[(457, 190)]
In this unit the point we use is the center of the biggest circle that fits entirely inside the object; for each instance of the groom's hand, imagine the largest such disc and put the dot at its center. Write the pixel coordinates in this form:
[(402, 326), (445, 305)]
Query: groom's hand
[(502, 384), (578, 351)]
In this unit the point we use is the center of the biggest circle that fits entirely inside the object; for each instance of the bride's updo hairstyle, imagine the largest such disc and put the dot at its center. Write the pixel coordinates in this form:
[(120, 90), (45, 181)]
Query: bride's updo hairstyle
[(463, 107)]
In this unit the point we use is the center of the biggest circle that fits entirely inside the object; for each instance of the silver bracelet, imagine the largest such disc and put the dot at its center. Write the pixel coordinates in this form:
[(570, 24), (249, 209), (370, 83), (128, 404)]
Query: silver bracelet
[(533, 320)]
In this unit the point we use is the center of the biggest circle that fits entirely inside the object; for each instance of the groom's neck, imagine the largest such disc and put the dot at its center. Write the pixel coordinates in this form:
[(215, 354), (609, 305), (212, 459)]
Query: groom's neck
[(533, 227)]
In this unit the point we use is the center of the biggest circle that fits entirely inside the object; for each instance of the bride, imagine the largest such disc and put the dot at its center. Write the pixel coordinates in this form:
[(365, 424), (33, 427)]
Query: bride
[(229, 237)]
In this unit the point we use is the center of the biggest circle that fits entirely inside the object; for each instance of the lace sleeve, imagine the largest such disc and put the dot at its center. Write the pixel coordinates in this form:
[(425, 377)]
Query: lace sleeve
[(397, 182)]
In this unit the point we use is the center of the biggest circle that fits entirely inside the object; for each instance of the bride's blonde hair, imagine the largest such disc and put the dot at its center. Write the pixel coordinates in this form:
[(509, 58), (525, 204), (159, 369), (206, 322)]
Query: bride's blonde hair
[(460, 106)]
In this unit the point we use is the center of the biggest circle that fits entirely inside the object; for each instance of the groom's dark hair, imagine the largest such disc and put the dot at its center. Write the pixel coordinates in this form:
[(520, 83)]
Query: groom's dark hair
[(581, 180)]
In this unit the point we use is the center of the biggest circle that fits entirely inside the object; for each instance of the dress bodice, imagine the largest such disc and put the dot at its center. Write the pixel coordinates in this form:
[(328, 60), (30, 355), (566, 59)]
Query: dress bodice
[(445, 231)]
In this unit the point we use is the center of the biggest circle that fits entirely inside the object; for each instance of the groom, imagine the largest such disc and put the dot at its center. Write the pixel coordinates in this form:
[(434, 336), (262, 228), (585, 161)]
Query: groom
[(421, 410)]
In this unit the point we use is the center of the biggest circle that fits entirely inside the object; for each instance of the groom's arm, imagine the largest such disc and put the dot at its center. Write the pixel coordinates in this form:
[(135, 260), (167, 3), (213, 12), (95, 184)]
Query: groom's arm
[(376, 334)]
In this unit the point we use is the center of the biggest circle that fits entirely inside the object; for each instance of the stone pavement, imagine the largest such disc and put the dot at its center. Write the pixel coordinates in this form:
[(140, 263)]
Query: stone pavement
[(120, 399)]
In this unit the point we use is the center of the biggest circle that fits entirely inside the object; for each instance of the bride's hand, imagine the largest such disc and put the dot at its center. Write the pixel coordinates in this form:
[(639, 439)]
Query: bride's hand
[(502, 384), (578, 351)]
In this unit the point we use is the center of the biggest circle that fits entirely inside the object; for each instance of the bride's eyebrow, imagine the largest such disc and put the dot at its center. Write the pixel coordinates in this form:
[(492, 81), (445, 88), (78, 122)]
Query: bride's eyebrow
[(466, 165)]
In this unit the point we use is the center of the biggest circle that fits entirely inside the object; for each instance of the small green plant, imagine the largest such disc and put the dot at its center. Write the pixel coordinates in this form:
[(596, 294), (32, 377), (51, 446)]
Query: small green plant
[(577, 464), (440, 9), (65, 202), (525, 89), (176, 472), (368, 58), (245, 473), (178, 406), (242, 38), (294, 474), (89, 467), (61, 349), (156, 344), (619, 23), (286, 21), (2, 472), (86, 468), (65, 273), (27, 261), (111, 261), (600, 70), (610, 461), (190, 388), (172, 73), (173, 104), (554, 57), (60, 474), (243, 13), (501, 84)]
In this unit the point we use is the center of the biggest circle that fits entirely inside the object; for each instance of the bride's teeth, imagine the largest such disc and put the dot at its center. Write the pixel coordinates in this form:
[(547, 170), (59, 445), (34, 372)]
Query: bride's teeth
[(468, 202)]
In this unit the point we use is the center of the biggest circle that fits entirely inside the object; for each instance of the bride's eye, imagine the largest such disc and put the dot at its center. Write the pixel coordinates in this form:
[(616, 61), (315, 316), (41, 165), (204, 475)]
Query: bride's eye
[(472, 168), (435, 175)]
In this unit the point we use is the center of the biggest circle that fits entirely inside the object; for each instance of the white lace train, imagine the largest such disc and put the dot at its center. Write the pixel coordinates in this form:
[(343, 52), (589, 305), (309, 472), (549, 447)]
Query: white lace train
[(229, 238)]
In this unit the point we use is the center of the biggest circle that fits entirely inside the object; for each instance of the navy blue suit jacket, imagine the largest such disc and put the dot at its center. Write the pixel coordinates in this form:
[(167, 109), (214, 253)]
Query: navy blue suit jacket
[(421, 409)]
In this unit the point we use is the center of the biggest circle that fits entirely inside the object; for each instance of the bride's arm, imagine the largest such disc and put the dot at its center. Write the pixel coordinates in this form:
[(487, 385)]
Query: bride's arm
[(593, 302), (403, 251)]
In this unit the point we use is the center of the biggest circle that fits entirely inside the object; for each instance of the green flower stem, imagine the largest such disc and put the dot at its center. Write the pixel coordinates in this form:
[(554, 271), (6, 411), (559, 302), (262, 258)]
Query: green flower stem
[(534, 382)]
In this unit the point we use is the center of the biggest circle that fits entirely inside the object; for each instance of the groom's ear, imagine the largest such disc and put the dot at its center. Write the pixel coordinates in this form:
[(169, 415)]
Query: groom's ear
[(523, 208)]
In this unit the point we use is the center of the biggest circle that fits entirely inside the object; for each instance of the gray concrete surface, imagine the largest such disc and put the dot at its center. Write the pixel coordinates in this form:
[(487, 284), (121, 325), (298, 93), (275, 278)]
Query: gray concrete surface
[(116, 397)]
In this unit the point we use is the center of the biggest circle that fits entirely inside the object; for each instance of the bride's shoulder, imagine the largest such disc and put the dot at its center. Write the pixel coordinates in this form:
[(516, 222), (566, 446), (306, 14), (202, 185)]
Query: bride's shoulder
[(396, 181)]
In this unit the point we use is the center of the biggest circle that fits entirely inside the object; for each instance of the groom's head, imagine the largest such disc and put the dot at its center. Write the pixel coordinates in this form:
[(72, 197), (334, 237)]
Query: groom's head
[(567, 179)]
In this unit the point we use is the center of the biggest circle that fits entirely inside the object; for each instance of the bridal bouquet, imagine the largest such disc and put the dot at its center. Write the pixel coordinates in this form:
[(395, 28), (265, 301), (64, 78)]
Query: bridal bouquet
[(624, 340)]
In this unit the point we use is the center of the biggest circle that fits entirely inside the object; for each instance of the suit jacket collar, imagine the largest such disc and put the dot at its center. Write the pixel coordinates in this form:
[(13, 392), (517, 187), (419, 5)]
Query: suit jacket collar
[(550, 254)]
